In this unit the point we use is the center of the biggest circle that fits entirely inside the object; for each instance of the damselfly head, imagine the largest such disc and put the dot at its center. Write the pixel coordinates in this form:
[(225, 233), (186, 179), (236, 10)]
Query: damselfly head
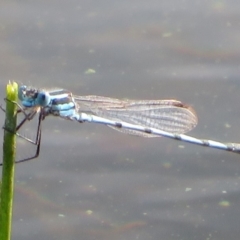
[(25, 92), (32, 97)]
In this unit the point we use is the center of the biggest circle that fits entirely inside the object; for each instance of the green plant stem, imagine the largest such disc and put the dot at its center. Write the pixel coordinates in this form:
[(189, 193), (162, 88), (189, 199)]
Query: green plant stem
[(9, 152)]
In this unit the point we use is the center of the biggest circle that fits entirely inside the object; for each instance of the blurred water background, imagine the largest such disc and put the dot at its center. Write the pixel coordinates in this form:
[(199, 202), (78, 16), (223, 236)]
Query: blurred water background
[(91, 182)]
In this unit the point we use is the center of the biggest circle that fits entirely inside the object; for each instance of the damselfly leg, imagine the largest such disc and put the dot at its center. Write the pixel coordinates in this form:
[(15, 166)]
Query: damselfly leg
[(37, 141), (28, 115)]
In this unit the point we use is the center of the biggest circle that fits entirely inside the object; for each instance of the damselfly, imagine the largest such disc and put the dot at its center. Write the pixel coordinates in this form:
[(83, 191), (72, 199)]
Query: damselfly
[(146, 118)]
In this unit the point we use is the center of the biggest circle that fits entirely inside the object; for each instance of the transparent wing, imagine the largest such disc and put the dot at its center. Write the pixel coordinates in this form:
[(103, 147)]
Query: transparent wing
[(167, 115)]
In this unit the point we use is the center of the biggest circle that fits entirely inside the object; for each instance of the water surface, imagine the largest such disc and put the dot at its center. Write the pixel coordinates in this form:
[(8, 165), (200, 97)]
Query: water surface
[(91, 182)]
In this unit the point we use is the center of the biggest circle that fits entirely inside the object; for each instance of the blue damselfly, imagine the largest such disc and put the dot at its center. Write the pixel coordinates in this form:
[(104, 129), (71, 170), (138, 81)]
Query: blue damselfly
[(146, 118)]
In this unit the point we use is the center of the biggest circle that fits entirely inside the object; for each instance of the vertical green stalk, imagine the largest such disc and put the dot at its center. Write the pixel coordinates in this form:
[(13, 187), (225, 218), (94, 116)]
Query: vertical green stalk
[(9, 152)]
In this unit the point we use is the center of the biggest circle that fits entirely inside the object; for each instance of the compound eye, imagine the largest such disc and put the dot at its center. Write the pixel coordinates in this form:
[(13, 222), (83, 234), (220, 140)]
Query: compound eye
[(22, 92), (43, 99)]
